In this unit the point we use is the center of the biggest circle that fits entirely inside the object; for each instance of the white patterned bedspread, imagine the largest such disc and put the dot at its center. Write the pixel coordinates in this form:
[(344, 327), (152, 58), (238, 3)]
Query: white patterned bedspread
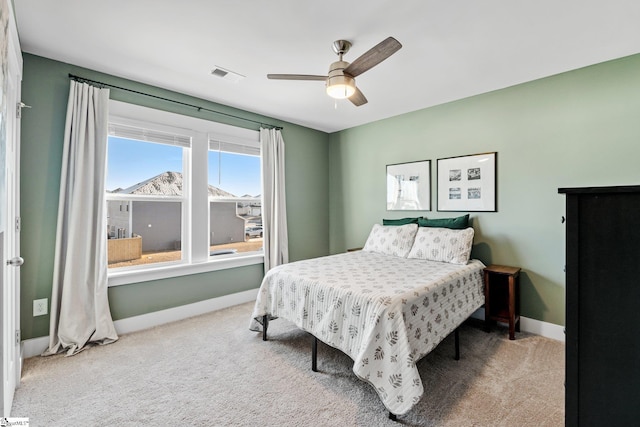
[(385, 312)]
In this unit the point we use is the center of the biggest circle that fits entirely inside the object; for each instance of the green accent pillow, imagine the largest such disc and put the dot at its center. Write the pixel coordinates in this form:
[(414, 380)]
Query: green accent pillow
[(454, 223), (401, 221)]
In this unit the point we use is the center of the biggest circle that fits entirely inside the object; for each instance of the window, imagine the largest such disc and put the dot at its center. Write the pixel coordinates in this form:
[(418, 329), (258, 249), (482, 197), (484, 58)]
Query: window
[(146, 197), (235, 205), (182, 195)]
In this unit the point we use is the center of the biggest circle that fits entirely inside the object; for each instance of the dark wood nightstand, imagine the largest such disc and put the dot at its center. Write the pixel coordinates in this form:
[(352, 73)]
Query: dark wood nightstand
[(502, 297)]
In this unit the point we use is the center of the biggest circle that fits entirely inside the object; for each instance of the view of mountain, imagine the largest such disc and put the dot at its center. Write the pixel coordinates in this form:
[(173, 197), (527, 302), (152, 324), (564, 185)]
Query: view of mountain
[(167, 183)]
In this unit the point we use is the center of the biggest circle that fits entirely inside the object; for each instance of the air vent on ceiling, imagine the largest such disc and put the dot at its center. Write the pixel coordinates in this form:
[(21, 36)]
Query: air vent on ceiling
[(227, 74)]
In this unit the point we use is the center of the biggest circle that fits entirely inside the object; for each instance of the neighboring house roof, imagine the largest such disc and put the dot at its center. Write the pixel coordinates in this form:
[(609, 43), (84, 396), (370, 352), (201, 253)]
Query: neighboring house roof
[(167, 183)]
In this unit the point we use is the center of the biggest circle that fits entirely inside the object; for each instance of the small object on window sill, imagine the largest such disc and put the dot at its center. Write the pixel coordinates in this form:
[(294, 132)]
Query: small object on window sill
[(223, 252), (354, 249)]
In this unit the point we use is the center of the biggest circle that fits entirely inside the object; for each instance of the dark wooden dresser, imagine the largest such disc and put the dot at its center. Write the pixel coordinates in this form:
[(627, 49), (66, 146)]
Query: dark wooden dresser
[(602, 306)]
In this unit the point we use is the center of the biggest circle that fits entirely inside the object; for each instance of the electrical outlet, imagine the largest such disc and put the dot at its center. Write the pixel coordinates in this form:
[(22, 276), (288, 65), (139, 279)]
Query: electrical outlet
[(40, 307)]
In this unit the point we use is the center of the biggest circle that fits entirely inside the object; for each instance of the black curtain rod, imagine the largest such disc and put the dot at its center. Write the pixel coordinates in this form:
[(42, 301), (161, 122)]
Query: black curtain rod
[(85, 80)]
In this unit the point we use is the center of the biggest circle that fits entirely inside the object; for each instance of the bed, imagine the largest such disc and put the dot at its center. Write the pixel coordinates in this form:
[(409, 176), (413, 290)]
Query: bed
[(385, 306)]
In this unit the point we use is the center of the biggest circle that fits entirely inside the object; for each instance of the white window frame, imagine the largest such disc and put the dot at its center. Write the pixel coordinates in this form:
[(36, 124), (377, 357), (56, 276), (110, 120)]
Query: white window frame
[(195, 222)]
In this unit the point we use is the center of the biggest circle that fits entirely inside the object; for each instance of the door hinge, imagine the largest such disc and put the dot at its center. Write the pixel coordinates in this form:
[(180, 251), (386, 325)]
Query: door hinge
[(17, 336), (18, 223)]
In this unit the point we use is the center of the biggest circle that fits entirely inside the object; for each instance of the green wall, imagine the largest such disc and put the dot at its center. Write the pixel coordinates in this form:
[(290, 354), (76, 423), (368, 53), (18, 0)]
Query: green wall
[(45, 87), (580, 128)]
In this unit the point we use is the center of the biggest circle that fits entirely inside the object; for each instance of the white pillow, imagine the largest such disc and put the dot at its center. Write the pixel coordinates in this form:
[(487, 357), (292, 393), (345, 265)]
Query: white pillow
[(391, 239), (443, 244)]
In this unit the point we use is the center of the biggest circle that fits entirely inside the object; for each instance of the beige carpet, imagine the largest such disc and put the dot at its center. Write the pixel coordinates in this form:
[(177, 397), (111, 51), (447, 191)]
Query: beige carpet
[(212, 371)]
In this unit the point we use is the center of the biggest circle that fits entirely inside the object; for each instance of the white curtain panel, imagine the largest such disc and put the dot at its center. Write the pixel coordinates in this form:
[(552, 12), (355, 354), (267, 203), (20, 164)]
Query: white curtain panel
[(274, 211), (79, 306)]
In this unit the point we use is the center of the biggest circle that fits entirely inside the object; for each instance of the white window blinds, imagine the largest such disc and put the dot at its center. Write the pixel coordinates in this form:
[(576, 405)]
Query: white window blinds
[(233, 145), (149, 135)]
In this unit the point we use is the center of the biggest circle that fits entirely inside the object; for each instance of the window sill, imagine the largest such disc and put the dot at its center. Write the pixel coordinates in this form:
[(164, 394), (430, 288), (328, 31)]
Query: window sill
[(117, 278)]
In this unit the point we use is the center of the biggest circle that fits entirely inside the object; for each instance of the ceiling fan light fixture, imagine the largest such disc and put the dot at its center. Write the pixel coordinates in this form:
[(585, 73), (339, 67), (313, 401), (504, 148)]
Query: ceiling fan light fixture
[(341, 86)]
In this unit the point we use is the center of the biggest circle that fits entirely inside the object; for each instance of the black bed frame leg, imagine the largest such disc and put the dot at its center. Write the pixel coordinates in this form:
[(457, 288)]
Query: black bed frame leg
[(393, 417), (265, 325), (314, 355), (456, 334)]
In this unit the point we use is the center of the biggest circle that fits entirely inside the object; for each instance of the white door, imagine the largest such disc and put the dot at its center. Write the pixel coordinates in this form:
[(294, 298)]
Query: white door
[(11, 261)]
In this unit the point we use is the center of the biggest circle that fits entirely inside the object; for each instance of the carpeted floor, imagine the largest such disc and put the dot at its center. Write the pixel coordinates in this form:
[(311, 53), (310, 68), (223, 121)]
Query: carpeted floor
[(211, 370)]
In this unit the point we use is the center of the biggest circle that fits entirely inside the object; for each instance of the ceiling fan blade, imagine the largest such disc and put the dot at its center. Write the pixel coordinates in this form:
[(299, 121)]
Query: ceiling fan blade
[(358, 98), (373, 56), (295, 77)]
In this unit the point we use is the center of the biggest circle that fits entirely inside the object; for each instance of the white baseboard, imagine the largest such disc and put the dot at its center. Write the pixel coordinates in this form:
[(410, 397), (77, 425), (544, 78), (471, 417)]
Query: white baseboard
[(545, 329), (36, 346), (538, 327), (149, 320), (33, 347)]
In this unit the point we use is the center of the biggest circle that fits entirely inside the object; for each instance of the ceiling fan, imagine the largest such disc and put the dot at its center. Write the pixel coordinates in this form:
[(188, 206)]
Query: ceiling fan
[(340, 81)]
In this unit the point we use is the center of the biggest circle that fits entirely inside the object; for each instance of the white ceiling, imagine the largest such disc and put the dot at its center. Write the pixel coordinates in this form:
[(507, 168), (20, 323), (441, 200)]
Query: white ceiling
[(452, 49)]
